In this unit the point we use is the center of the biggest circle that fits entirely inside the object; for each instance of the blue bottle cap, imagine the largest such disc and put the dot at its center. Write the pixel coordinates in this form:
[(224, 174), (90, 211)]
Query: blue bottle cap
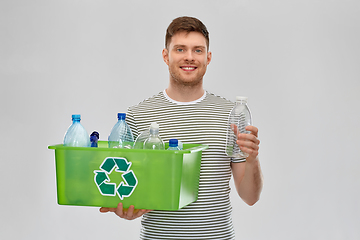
[(95, 134), (76, 117), (121, 116), (173, 143)]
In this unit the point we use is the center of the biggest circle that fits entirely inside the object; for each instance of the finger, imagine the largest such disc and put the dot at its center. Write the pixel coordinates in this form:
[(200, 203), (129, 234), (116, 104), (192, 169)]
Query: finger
[(139, 213), (253, 130), (142, 212), (249, 138), (249, 148), (234, 128), (119, 210), (252, 153), (104, 210), (130, 213), (248, 144)]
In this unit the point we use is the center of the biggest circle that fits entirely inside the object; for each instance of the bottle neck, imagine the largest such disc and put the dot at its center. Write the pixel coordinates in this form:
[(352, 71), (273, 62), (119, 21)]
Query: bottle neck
[(154, 131), (243, 102)]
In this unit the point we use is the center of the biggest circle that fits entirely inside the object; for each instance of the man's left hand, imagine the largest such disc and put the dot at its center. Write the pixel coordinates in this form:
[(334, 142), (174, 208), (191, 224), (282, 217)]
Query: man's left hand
[(249, 143)]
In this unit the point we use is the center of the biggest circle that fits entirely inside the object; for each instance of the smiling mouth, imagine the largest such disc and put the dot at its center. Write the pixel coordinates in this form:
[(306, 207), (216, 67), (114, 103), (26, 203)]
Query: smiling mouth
[(188, 68)]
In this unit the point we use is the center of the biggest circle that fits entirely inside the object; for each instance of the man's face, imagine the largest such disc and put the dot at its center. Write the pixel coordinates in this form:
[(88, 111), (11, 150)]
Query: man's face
[(187, 58)]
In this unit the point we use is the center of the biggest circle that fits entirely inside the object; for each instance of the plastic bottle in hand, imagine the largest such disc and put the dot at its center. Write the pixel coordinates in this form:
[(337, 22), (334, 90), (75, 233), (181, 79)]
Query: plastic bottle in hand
[(173, 144), (239, 118), (76, 135), (121, 135), (154, 141)]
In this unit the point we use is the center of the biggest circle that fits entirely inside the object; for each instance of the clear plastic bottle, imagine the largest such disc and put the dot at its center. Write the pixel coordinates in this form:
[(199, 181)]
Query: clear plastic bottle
[(239, 118), (154, 141), (139, 142), (121, 135), (173, 144), (76, 135)]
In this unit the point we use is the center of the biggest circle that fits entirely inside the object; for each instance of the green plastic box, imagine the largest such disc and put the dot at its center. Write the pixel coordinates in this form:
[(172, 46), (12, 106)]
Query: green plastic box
[(147, 179)]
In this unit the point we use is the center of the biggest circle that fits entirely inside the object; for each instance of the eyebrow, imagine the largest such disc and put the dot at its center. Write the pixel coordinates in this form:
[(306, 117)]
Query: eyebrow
[(184, 46)]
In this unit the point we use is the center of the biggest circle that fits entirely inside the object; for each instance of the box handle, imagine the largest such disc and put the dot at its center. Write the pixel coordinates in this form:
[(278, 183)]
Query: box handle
[(198, 148)]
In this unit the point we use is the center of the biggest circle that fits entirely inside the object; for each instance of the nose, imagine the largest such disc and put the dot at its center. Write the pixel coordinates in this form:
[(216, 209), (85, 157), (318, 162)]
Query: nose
[(189, 56)]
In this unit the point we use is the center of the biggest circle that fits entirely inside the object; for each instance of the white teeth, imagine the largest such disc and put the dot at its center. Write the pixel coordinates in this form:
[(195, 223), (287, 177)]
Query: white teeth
[(188, 68)]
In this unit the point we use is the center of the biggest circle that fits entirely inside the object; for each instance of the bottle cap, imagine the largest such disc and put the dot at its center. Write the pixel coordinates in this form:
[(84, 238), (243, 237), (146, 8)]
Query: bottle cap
[(95, 134), (76, 117), (154, 125), (121, 116), (241, 98), (173, 143)]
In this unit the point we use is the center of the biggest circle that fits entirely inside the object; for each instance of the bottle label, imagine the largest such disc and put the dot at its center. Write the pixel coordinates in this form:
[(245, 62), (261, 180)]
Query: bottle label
[(116, 165)]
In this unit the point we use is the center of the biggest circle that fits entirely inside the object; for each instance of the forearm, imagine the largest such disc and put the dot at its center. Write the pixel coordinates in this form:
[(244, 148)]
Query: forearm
[(249, 181)]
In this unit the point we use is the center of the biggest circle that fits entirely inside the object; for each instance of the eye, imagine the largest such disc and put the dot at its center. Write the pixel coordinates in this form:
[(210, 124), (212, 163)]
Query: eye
[(198, 51), (180, 50)]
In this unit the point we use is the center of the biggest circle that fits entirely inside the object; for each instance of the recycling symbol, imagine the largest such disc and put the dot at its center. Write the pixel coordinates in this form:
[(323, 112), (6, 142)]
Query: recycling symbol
[(107, 188)]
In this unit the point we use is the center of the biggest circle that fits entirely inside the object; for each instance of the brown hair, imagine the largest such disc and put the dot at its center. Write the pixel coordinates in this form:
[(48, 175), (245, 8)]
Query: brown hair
[(187, 24)]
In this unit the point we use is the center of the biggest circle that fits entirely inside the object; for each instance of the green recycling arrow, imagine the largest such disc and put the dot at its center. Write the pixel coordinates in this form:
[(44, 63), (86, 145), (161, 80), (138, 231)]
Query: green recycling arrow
[(131, 182), (122, 164), (101, 180), (107, 188), (130, 178), (124, 190), (108, 165), (100, 177)]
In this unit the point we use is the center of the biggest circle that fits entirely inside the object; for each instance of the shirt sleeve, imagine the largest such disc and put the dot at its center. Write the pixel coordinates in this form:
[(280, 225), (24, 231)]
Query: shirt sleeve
[(237, 160)]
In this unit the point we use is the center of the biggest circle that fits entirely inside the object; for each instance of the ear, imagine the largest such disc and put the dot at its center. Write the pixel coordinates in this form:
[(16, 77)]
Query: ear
[(165, 54), (209, 56)]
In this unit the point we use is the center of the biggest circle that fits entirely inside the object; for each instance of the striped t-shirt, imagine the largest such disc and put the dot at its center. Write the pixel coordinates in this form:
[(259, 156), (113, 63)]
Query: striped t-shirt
[(201, 122)]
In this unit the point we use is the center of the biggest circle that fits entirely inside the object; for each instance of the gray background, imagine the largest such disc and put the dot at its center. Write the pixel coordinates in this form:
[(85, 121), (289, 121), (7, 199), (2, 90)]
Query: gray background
[(297, 61)]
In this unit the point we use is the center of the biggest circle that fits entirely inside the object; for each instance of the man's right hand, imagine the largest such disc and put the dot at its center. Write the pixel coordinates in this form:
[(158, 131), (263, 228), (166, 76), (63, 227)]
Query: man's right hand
[(130, 214)]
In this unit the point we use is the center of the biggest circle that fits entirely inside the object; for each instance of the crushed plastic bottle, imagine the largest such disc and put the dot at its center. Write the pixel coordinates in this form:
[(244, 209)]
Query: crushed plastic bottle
[(121, 135), (94, 137), (76, 135), (154, 141), (239, 118)]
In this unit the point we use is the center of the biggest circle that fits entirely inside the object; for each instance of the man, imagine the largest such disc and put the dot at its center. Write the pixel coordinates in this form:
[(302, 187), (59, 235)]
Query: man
[(186, 111)]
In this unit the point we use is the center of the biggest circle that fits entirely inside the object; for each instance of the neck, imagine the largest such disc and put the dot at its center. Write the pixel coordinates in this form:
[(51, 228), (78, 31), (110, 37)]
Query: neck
[(185, 93)]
